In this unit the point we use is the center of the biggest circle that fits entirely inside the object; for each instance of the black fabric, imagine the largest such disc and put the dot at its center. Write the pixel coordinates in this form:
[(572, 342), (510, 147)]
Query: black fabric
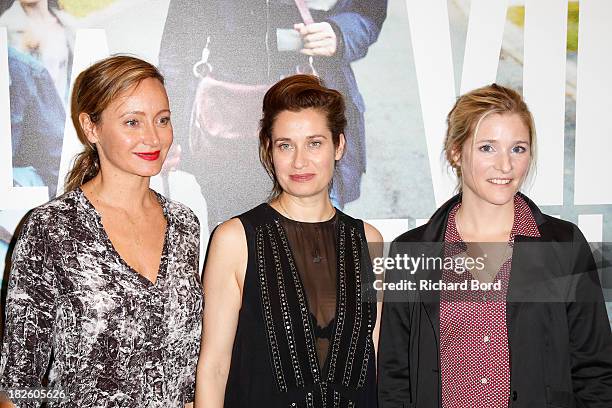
[(314, 251), (274, 358), (560, 352)]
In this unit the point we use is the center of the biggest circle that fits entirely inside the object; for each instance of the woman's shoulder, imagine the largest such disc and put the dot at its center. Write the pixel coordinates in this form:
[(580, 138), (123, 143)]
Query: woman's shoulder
[(245, 223), (230, 230), (52, 217), (229, 241), (180, 213), (60, 208), (560, 230), (552, 228), (372, 233)]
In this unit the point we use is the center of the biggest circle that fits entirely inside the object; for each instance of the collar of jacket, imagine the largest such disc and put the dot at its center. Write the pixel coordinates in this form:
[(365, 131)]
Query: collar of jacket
[(436, 226)]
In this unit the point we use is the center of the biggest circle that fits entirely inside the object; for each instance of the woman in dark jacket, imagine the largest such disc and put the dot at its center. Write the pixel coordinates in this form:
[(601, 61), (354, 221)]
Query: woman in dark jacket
[(250, 46), (531, 328)]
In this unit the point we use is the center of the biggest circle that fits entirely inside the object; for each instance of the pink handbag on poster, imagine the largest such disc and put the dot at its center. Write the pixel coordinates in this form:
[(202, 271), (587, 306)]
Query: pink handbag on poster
[(220, 107)]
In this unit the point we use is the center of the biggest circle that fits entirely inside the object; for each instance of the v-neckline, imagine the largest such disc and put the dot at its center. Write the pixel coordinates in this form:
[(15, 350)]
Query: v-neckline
[(463, 244), (323, 371), (161, 269)]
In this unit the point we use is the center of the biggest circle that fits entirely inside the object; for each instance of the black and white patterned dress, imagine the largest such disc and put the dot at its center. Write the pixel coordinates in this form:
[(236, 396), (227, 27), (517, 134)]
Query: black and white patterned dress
[(111, 337)]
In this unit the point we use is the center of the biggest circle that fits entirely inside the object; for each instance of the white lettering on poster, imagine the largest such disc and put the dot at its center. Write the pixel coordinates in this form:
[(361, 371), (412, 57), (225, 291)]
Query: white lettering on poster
[(90, 46), (544, 78), (431, 45), (482, 44), (544, 90), (594, 105)]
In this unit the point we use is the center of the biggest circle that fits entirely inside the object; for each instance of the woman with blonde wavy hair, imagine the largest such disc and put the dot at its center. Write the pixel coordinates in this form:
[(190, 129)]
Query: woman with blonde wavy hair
[(524, 323), (104, 286)]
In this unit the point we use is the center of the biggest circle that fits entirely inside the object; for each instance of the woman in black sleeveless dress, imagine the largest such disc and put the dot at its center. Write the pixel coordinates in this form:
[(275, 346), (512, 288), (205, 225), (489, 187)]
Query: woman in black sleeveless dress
[(289, 319)]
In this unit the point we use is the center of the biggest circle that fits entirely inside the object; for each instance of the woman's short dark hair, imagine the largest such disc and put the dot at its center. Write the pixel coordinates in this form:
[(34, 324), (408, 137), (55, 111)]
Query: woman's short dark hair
[(294, 94)]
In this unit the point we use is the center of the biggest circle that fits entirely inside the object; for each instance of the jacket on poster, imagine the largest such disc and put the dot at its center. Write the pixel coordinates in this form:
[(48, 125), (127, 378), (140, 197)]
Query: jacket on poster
[(37, 122), (560, 348), (244, 49)]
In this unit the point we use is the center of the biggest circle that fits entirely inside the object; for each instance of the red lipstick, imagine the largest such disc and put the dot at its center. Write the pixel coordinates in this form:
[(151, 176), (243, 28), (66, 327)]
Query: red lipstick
[(301, 178), (149, 156)]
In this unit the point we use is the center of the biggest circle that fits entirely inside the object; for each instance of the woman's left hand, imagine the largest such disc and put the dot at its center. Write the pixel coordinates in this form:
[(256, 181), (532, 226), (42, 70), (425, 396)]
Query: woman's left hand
[(319, 39)]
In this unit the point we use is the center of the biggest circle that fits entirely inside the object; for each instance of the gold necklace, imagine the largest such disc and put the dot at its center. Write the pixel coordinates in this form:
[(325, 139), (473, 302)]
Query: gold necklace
[(137, 239), (316, 253), (286, 213)]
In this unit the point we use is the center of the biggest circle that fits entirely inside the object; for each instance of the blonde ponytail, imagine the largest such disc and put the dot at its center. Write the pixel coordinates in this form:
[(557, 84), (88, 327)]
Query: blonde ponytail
[(85, 167)]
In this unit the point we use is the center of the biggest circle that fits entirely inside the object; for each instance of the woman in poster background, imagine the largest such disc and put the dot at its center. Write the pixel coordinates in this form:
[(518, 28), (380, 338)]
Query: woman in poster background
[(41, 29), (37, 131), (541, 339), (104, 284), (252, 45), (39, 60)]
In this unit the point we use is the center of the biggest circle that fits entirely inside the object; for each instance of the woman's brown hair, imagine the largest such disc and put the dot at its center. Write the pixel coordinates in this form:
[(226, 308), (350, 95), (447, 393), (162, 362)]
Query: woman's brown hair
[(294, 94), (94, 89), (471, 108)]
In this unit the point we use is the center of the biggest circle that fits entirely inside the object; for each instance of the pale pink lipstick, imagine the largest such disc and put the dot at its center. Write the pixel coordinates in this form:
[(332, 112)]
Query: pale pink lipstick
[(302, 178), (149, 156)]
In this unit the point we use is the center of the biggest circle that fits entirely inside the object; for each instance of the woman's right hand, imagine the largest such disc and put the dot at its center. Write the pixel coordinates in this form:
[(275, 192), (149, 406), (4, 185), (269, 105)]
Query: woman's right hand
[(223, 282), (319, 39)]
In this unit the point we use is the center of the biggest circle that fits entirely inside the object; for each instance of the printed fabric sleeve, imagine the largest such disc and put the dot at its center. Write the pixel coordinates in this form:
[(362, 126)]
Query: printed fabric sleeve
[(30, 310)]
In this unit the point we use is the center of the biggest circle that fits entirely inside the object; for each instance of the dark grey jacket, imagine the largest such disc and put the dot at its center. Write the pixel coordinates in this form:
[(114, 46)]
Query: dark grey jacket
[(558, 330)]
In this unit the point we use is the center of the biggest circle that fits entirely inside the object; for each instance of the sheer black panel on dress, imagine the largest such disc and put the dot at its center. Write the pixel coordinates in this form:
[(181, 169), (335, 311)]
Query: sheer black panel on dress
[(314, 250)]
